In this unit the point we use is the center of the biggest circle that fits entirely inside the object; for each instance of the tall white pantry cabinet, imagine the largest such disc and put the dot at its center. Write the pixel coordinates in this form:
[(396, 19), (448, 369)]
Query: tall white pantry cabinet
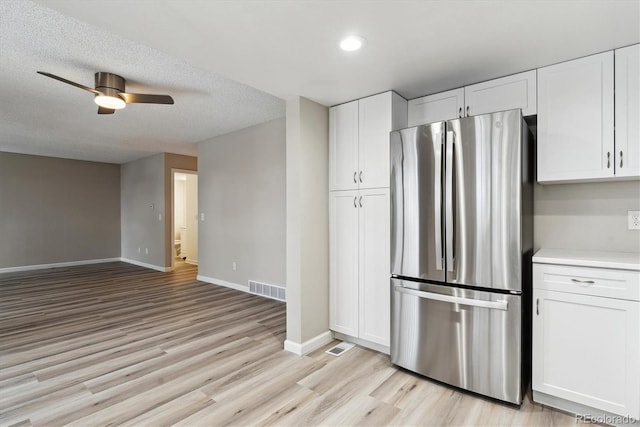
[(359, 216)]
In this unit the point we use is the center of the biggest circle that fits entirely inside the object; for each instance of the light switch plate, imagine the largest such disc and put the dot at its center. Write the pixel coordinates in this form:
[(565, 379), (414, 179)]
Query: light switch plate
[(633, 220)]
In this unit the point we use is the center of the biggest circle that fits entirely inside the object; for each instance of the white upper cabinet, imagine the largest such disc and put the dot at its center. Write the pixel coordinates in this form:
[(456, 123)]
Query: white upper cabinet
[(627, 120), (506, 93), (436, 108), (359, 140), (575, 120), (379, 115), (343, 146)]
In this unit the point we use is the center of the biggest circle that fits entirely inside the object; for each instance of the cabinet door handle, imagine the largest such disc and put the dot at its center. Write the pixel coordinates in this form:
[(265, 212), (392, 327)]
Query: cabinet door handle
[(360, 201), (360, 176), (608, 159), (537, 306), (355, 202), (620, 158), (467, 111), (355, 180), (583, 282), (460, 112)]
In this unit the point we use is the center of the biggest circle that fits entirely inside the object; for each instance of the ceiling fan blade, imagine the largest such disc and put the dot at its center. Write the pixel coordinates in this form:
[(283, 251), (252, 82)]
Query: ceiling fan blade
[(102, 110), (141, 98), (53, 76)]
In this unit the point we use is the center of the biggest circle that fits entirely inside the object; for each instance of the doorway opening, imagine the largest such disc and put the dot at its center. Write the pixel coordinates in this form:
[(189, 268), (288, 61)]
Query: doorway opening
[(184, 225)]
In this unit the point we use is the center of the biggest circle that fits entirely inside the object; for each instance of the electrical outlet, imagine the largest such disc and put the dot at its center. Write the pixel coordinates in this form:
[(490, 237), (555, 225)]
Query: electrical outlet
[(146, 251), (234, 265), (633, 220)]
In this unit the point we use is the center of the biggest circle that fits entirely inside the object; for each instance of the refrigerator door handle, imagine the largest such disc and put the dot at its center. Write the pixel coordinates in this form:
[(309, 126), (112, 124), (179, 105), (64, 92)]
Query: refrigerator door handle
[(448, 197), (437, 202), (496, 305)]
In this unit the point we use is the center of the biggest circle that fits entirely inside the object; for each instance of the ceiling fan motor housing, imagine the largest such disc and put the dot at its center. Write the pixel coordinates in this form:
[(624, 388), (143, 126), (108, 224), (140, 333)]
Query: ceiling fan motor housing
[(109, 84)]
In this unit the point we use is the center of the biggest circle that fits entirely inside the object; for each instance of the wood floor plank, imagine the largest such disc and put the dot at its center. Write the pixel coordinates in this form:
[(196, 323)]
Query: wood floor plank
[(116, 344)]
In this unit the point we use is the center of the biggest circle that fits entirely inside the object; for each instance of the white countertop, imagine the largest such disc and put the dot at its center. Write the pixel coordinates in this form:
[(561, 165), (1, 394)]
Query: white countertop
[(618, 260)]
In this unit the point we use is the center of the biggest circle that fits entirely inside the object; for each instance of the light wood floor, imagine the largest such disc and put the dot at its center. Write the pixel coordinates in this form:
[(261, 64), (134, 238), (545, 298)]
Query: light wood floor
[(115, 344)]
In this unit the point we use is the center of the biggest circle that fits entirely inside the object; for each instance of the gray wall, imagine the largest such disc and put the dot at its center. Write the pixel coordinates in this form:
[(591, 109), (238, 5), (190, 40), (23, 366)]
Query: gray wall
[(143, 185), (590, 216), (57, 210), (307, 220), (241, 191)]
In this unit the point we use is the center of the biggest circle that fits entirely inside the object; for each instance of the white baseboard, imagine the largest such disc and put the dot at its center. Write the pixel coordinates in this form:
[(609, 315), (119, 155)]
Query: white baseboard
[(145, 265), (309, 345), (602, 417), (362, 343), (224, 283), (57, 265)]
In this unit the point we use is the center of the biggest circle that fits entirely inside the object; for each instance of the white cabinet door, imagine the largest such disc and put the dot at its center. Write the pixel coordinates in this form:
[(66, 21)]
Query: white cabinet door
[(585, 349), (506, 93), (575, 120), (436, 108), (627, 158), (343, 146), (378, 115), (374, 242), (343, 261)]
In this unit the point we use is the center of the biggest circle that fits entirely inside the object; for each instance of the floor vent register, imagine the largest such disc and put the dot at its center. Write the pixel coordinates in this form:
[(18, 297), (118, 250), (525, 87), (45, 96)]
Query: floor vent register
[(270, 291), (338, 350)]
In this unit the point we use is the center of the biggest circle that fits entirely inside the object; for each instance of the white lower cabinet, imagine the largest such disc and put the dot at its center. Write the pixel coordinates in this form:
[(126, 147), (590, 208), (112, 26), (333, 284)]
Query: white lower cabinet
[(586, 346), (359, 227)]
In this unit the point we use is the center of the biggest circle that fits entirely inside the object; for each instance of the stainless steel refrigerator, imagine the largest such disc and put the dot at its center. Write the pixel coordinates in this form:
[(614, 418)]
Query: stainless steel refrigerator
[(461, 246)]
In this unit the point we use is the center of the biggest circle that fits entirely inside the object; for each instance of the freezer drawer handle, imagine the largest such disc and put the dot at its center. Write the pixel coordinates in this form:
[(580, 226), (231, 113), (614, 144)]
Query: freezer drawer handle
[(498, 305), (583, 282)]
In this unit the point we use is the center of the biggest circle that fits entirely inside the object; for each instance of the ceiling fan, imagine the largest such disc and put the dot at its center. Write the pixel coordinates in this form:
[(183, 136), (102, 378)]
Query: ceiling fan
[(110, 92)]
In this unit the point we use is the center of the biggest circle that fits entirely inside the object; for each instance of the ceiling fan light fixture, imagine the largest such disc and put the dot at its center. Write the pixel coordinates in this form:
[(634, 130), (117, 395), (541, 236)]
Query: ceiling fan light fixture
[(111, 102)]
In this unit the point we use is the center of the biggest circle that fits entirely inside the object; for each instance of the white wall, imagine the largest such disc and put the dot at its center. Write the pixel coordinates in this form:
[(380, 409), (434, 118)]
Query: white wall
[(590, 216), (179, 205), (191, 218), (241, 191), (307, 220)]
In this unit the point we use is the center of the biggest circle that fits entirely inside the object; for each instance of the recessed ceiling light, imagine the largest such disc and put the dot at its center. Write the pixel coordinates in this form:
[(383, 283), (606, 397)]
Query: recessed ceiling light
[(351, 43)]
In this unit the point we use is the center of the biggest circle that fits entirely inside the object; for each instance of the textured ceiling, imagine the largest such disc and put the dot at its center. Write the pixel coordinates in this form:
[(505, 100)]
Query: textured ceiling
[(289, 47), (39, 115), (282, 47)]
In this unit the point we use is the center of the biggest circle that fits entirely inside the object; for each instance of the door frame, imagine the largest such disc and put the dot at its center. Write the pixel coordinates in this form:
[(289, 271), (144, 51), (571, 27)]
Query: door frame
[(174, 171)]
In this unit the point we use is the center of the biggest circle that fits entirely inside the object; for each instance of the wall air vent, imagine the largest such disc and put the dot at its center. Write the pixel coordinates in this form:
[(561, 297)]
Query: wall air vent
[(270, 291)]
